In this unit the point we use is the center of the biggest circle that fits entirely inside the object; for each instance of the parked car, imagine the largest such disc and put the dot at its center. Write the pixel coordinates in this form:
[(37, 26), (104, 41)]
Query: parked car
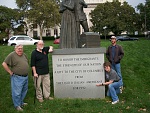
[(126, 38), (21, 39), (57, 41)]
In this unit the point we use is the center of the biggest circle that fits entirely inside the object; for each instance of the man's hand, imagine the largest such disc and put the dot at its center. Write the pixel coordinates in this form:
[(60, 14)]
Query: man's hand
[(98, 84), (11, 73), (36, 75), (50, 49)]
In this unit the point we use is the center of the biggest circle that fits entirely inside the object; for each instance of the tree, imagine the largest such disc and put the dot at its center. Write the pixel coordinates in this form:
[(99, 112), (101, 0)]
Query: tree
[(116, 17), (144, 10), (8, 18), (43, 13)]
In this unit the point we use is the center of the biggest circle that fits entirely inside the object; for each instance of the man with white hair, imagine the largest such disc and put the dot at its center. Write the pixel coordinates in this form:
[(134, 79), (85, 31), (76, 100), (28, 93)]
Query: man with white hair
[(40, 69), (18, 62), (114, 54)]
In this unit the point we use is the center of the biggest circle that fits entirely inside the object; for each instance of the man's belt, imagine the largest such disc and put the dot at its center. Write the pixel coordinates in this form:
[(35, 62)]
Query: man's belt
[(21, 75)]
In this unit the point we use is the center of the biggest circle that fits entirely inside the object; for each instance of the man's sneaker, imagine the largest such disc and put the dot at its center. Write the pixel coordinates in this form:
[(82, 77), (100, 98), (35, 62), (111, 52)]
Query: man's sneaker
[(41, 100), (19, 108), (121, 89), (49, 98), (24, 104), (115, 102)]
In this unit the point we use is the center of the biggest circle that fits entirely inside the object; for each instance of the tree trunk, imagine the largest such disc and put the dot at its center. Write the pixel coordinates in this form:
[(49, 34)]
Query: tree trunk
[(41, 32)]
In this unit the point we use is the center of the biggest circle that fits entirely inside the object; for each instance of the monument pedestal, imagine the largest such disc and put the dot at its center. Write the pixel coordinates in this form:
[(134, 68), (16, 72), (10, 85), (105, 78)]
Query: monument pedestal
[(77, 71), (89, 40)]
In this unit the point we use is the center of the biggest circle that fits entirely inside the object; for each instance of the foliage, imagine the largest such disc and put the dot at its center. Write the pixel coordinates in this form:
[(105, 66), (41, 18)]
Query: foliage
[(116, 17), (43, 13), (134, 99), (144, 10), (8, 17)]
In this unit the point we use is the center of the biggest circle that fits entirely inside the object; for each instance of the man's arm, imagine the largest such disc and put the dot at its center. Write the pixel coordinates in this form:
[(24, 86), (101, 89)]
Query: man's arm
[(105, 83), (33, 64), (6, 67), (34, 71), (121, 53), (107, 53)]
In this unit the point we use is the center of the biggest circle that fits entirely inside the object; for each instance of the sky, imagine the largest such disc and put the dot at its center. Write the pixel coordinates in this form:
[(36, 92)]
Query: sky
[(134, 3), (12, 4)]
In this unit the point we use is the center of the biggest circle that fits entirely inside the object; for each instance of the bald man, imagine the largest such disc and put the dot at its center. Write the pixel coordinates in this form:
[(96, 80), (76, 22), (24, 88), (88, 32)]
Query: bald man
[(40, 69)]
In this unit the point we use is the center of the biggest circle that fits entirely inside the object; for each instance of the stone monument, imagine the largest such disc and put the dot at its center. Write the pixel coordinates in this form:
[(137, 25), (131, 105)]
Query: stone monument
[(78, 64)]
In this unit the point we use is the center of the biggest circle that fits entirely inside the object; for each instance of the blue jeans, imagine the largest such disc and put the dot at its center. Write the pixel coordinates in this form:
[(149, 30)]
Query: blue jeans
[(117, 68), (19, 88), (113, 90)]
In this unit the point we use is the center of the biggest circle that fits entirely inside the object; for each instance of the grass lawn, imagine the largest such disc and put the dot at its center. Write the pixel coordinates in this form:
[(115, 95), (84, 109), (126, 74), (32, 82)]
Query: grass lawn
[(134, 99)]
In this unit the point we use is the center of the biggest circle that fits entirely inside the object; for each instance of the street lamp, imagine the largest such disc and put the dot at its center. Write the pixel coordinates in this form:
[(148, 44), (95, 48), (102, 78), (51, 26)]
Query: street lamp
[(145, 20), (105, 27)]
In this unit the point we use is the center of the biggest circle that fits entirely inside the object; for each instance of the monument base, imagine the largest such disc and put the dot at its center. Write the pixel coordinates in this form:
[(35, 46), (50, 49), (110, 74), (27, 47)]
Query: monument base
[(77, 71), (89, 40)]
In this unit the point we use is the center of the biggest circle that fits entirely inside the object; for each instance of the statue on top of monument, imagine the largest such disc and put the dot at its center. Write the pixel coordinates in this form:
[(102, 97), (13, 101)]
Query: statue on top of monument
[(68, 32), (72, 17)]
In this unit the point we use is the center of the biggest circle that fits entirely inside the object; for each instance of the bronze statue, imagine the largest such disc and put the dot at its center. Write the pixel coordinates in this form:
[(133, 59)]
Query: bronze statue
[(68, 33), (72, 16)]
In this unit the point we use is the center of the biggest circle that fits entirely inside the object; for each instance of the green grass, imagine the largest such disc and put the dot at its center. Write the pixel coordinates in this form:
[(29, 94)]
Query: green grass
[(134, 99)]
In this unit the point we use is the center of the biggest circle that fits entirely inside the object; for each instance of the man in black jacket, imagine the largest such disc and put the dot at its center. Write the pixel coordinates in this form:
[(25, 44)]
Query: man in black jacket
[(114, 54)]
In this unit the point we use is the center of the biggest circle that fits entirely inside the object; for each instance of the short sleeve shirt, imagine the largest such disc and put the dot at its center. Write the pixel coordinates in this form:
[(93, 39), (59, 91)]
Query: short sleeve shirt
[(40, 61), (19, 64), (112, 75)]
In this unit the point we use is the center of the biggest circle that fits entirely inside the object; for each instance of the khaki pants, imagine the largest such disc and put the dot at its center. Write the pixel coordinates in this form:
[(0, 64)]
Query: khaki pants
[(44, 81)]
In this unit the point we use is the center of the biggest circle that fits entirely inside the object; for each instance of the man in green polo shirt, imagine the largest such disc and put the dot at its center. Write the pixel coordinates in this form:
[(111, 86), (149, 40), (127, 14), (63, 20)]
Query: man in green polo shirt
[(16, 64)]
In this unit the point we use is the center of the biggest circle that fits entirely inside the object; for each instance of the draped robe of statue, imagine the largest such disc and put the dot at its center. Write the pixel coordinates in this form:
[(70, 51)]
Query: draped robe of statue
[(69, 32)]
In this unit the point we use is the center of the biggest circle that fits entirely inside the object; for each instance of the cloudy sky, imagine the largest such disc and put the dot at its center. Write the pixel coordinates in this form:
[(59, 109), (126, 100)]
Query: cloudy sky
[(135, 2), (11, 3)]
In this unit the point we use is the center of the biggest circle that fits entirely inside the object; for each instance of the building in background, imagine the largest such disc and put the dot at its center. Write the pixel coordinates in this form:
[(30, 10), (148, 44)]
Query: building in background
[(34, 31), (56, 30)]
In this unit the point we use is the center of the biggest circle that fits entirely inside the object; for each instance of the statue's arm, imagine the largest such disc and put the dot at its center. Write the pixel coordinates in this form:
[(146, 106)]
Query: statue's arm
[(62, 8), (69, 5), (82, 2)]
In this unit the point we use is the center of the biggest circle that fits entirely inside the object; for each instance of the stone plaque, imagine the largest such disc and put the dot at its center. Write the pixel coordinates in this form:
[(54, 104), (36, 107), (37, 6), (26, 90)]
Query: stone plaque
[(77, 71)]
